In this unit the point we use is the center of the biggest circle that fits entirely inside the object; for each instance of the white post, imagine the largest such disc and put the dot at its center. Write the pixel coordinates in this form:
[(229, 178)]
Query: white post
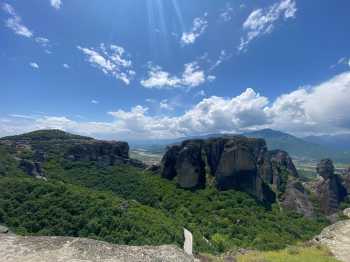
[(188, 242)]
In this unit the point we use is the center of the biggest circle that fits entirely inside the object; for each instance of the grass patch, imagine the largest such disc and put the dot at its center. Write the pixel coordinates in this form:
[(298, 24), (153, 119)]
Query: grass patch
[(290, 254)]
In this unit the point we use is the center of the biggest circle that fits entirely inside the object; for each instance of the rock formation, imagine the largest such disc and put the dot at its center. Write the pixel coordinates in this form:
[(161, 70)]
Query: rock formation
[(105, 153), (31, 168), (329, 190), (232, 161), (54, 249), (237, 162), (296, 198)]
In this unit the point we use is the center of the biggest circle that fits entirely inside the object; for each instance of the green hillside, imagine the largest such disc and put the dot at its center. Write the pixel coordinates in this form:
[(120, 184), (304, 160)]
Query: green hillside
[(127, 205)]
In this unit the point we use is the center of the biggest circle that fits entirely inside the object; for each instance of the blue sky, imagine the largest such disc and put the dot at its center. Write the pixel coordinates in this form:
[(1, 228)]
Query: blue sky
[(136, 69)]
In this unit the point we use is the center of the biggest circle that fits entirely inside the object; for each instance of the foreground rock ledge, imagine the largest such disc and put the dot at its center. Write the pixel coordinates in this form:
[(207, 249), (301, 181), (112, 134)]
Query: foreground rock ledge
[(61, 249)]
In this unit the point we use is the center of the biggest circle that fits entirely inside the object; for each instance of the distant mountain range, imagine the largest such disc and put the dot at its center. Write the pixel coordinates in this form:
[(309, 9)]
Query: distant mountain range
[(309, 148), (340, 142)]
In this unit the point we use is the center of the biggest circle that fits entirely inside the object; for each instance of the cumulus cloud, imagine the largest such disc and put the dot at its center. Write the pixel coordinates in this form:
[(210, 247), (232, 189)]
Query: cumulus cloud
[(110, 60), (192, 76), (93, 101), (34, 65), (319, 109), (56, 4), (323, 108), (262, 21), (14, 22), (199, 26), (66, 66)]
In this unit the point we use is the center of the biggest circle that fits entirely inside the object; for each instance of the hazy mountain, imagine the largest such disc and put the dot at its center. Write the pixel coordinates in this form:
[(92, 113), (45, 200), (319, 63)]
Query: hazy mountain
[(295, 146), (299, 147), (340, 142)]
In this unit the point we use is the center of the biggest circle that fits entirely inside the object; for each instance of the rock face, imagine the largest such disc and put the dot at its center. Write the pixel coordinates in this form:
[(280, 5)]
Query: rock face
[(232, 161), (296, 198), (330, 189), (63, 249), (337, 238), (237, 162), (105, 153), (190, 167), (31, 168)]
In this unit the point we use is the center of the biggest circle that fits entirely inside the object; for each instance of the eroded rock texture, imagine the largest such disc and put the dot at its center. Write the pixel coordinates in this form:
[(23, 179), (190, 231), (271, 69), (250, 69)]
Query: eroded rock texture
[(241, 163), (330, 189), (63, 249), (105, 153), (232, 161)]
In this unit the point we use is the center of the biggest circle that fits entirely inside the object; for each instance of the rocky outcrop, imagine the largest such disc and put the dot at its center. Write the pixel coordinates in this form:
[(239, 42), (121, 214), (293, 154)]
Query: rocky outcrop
[(337, 238), (190, 167), (296, 198), (232, 161), (241, 163), (104, 153), (31, 168), (61, 249), (330, 189)]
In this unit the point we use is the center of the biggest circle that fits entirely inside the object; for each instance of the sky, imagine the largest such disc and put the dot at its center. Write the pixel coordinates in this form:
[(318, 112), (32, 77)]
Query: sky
[(154, 69)]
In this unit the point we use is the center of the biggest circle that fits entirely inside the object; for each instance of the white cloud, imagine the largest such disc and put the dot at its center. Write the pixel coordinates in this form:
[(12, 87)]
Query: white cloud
[(323, 108), (192, 76), (199, 26), (66, 66), (298, 112), (56, 4), (111, 60), (34, 65), (44, 42), (14, 22), (211, 78), (222, 58), (93, 101), (227, 13), (164, 104), (262, 21)]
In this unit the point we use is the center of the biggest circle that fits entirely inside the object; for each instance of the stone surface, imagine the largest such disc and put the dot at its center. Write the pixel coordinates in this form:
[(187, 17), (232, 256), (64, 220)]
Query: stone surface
[(104, 153), (325, 168), (337, 238), (188, 244), (330, 190), (296, 198), (4, 230), (96, 150), (190, 167), (233, 162), (31, 168), (66, 249), (168, 162)]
